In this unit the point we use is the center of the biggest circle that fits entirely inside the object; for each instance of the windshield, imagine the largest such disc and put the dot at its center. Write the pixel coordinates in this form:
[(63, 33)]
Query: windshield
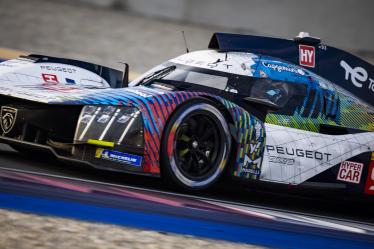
[(277, 92), (188, 75)]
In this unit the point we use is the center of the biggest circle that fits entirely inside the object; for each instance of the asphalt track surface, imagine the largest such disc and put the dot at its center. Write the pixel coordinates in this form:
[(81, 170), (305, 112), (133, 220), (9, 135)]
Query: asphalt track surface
[(314, 203), (234, 208)]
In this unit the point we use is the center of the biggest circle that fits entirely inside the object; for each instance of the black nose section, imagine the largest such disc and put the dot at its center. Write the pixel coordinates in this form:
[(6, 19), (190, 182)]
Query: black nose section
[(31, 123)]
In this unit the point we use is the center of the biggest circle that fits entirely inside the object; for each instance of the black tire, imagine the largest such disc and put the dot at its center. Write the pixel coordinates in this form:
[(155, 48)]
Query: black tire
[(196, 145)]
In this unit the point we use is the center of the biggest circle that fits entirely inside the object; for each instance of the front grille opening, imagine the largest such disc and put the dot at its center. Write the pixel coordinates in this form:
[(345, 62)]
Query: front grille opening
[(44, 124)]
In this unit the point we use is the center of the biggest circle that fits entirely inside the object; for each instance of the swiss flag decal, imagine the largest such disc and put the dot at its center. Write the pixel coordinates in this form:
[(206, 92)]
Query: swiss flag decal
[(307, 56), (50, 78)]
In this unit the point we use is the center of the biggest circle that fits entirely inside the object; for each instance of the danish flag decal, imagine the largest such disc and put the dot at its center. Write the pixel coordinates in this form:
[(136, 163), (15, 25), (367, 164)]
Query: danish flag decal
[(307, 56)]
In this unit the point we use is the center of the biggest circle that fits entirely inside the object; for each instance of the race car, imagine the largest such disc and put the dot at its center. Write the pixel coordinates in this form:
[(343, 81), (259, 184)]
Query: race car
[(260, 109)]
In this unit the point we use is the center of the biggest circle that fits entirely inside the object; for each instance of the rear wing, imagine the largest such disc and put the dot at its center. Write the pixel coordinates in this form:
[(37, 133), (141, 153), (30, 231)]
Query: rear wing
[(340, 67), (115, 78)]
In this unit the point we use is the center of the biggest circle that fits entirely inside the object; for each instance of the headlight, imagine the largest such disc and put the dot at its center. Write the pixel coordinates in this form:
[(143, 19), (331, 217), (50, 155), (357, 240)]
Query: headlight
[(117, 124)]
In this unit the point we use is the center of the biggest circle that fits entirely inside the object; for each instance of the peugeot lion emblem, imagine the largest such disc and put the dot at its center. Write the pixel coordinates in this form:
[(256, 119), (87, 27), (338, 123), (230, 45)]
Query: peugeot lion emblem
[(8, 117)]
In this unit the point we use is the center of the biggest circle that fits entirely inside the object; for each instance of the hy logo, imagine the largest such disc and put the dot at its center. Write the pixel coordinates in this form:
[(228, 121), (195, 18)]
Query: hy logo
[(8, 117), (307, 56)]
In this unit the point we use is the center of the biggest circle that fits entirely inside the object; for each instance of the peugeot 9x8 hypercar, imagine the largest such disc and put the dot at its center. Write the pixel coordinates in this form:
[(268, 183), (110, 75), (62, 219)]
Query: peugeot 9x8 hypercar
[(292, 112)]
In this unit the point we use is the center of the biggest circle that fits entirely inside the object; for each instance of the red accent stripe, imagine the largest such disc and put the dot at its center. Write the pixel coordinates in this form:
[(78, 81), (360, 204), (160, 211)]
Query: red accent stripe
[(369, 186), (170, 142)]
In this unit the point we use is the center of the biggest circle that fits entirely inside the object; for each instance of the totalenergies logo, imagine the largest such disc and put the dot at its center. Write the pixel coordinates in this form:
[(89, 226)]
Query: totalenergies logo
[(357, 75)]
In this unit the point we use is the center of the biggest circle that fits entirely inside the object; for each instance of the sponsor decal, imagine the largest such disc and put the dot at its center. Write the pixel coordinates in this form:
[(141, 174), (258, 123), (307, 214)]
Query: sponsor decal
[(252, 163), (211, 65), (8, 116), (350, 172), (282, 160), (137, 92), (312, 154), (252, 166), (14, 63), (369, 186), (61, 88), (358, 76), (119, 157), (254, 147), (280, 68), (50, 78), (24, 92), (58, 69), (307, 56), (258, 128)]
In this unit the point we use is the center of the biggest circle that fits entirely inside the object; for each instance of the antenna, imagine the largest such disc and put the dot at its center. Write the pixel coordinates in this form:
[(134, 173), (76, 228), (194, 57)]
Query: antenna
[(185, 41), (125, 76)]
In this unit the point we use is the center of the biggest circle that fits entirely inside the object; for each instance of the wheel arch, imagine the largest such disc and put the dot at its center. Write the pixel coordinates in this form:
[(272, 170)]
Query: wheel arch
[(248, 145), (179, 113), (243, 126), (218, 104)]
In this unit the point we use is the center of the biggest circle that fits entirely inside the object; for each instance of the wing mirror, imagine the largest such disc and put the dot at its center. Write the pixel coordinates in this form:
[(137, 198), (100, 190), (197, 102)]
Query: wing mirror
[(261, 107), (263, 103)]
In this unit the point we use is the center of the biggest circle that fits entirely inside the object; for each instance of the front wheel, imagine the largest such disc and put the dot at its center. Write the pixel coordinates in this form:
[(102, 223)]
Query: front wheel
[(196, 145)]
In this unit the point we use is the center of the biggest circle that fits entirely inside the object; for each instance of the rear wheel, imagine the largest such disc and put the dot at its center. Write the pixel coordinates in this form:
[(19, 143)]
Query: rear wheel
[(196, 145)]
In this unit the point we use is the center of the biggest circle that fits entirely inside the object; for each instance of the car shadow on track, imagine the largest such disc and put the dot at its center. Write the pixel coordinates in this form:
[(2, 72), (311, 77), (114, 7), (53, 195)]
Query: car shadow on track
[(227, 190)]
